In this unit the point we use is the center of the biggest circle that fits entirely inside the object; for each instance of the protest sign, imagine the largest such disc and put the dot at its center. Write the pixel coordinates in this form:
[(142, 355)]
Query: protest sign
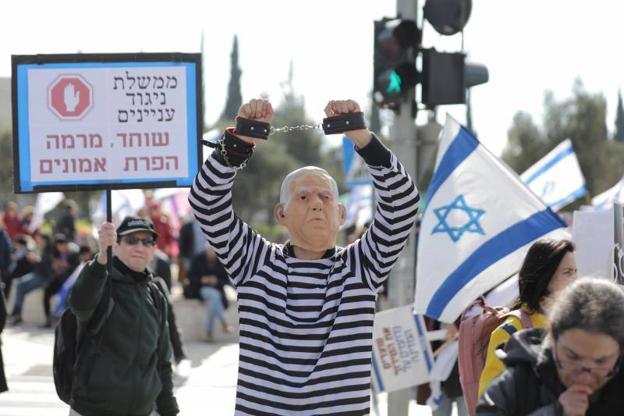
[(593, 234), (401, 351), (89, 121)]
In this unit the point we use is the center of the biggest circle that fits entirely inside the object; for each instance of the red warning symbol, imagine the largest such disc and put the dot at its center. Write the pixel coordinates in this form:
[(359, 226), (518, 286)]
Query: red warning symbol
[(70, 97)]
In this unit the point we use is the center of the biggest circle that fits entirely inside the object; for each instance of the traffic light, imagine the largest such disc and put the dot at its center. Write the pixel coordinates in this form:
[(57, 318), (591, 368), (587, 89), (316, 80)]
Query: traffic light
[(448, 17), (447, 75), (443, 76), (394, 74)]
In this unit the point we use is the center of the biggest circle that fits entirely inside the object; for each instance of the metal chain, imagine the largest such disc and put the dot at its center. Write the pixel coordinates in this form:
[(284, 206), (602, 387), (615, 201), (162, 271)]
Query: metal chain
[(227, 161), (301, 127)]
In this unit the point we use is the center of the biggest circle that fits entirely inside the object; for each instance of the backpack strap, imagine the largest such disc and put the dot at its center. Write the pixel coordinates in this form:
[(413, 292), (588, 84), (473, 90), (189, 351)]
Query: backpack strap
[(159, 295), (161, 284), (522, 315), (525, 318), (509, 328)]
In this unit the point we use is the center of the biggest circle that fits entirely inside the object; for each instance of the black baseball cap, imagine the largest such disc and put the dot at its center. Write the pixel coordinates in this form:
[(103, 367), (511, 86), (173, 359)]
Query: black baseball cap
[(131, 225), (60, 238)]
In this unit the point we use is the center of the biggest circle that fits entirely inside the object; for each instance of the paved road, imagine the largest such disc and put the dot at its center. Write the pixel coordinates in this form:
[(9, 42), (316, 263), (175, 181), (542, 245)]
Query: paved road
[(209, 389), (27, 357)]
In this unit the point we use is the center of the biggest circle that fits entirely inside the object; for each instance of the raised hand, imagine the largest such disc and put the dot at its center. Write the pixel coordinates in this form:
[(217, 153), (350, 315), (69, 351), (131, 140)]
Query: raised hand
[(361, 137), (71, 97), (337, 107), (258, 110), (107, 236)]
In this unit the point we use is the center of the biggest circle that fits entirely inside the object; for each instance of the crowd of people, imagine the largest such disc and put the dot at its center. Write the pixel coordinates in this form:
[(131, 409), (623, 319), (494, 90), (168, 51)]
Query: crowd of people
[(32, 259), (306, 306)]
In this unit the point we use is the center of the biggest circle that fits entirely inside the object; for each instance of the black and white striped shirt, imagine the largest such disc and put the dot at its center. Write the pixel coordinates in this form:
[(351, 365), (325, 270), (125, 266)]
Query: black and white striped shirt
[(306, 325)]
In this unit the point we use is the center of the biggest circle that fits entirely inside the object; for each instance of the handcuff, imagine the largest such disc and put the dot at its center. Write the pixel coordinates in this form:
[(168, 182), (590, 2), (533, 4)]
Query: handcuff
[(331, 125), (235, 152)]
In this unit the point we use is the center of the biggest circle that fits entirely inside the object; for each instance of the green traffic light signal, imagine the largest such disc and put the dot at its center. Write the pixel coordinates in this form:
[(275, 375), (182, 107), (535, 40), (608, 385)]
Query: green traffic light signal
[(394, 72), (394, 84)]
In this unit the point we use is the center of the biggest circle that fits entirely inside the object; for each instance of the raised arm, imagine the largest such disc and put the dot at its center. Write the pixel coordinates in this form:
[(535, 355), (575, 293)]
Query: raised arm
[(361, 137), (89, 287), (396, 204), (236, 244)]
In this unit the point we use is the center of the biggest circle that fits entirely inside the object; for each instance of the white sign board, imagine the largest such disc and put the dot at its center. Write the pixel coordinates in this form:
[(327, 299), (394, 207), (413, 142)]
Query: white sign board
[(401, 352), (593, 235), (94, 121)]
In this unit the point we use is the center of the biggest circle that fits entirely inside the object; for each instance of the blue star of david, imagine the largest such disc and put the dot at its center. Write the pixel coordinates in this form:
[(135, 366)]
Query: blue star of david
[(455, 232)]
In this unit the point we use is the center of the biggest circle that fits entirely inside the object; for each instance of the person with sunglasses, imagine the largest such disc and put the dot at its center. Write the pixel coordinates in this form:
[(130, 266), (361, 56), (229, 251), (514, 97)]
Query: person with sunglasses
[(571, 369), (128, 369)]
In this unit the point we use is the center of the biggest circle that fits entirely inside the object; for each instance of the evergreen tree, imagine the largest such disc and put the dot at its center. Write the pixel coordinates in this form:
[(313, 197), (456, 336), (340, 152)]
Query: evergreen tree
[(234, 96), (304, 146), (257, 187), (619, 120), (582, 119)]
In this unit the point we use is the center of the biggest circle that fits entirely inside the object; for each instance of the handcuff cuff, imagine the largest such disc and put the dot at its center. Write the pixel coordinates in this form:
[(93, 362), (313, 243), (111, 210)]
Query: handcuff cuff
[(236, 152)]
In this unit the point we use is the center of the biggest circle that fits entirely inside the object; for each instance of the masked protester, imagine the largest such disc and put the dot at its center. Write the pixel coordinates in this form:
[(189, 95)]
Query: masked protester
[(306, 307)]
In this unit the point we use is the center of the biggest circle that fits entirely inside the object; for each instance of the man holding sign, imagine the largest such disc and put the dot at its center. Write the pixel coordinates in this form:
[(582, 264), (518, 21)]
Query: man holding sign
[(125, 368), (306, 307)]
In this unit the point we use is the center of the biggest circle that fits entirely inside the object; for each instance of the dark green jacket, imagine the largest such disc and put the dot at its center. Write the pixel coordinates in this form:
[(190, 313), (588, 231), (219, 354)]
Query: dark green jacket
[(126, 369)]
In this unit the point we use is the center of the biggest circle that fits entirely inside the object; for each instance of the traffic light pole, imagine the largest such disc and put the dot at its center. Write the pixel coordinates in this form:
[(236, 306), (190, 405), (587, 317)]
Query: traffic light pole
[(401, 286)]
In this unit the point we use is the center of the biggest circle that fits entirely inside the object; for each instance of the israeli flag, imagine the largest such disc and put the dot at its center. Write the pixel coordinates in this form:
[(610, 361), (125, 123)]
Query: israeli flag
[(557, 177), (359, 206), (45, 203), (124, 202), (477, 225), (355, 170), (612, 195)]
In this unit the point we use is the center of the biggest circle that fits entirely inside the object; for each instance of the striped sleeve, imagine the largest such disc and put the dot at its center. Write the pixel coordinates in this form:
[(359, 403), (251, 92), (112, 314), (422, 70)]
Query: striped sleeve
[(240, 249), (396, 208)]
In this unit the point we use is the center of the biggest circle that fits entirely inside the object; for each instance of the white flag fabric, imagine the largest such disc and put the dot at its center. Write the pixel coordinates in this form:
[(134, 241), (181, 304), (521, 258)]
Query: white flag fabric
[(612, 195), (479, 221), (45, 203), (557, 177), (359, 206), (124, 202)]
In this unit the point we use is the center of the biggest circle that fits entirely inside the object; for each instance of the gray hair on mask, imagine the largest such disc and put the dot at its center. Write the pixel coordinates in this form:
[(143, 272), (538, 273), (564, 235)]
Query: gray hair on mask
[(298, 173)]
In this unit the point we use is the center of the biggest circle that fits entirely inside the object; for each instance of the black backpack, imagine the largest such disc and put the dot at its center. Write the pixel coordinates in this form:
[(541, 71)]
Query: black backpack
[(69, 336)]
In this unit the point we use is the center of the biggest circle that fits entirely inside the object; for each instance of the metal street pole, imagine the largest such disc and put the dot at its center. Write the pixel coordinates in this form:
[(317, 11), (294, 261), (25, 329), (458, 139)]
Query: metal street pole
[(401, 286)]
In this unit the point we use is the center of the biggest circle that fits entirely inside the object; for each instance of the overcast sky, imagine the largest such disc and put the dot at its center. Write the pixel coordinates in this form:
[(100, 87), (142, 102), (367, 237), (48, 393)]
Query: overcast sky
[(529, 46)]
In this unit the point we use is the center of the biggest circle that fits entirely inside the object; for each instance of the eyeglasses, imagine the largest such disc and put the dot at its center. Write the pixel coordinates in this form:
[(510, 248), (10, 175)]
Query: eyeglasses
[(578, 368), (133, 241)]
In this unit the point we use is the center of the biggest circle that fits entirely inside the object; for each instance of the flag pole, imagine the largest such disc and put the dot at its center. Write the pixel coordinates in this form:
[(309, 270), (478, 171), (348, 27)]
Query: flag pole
[(109, 218)]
